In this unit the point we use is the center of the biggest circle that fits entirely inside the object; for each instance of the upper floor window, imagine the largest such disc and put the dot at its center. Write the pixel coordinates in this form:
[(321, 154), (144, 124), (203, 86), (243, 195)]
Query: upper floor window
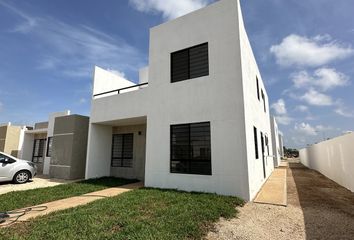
[(257, 82), (190, 63), (264, 102)]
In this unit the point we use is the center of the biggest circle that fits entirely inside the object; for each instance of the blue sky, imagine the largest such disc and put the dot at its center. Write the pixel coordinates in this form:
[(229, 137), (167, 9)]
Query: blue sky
[(304, 49)]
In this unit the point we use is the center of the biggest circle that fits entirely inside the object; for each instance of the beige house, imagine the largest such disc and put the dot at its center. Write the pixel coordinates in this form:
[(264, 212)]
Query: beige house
[(10, 138)]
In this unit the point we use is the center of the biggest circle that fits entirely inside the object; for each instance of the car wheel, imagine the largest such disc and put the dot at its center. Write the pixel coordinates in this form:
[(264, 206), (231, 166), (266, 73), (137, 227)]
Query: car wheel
[(21, 176)]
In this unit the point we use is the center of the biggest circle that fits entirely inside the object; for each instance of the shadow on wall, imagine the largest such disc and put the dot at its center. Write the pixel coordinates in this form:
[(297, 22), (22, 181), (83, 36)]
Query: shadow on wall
[(15, 153), (333, 158), (328, 208)]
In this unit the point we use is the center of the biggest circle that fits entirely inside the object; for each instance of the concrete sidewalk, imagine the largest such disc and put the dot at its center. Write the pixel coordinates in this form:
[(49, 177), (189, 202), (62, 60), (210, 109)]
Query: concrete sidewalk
[(274, 190), (36, 182), (66, 203)]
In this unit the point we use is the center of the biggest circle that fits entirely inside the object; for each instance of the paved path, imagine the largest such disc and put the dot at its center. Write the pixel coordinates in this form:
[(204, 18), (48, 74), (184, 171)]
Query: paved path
[(37, 182), (75, 201), (274, 189), (318, 208)]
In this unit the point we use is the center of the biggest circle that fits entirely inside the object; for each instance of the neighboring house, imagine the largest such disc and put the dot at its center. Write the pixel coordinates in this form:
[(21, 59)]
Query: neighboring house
[(333, 158), (275, 141), (58, 146), (11, 138), (281, 144), (199, 119)]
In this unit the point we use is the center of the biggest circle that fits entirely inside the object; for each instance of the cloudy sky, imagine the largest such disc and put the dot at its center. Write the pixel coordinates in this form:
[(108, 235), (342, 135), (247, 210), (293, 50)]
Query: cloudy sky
[(304, 49)]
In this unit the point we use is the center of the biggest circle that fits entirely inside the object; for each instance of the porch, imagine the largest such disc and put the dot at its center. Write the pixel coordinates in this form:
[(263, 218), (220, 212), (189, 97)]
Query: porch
[(117, 148)]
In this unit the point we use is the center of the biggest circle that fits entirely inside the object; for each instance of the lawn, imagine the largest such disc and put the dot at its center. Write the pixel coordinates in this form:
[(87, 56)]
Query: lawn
[(138, 214), (21, 199)]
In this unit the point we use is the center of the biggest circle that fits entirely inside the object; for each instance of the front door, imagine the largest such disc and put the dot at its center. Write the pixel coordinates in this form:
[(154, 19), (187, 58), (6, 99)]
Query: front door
[(38, 154), (263, 157)]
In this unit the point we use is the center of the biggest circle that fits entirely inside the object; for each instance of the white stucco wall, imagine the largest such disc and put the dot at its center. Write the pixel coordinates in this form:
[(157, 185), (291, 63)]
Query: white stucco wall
[(255, 116), (216, 98), (144, 75), (104, 81), (333, 158), (98, 163), (275, 141), (281, 144), (27, 147)]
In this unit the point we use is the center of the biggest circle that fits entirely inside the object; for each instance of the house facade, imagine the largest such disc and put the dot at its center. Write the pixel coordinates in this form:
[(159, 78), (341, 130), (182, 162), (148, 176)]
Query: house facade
[(276, 138), (58, 146), (11, 138), (199, 118)]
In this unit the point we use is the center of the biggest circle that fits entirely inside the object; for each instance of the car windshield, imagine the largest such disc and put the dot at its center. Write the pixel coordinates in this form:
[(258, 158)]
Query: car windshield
[(4, 158)]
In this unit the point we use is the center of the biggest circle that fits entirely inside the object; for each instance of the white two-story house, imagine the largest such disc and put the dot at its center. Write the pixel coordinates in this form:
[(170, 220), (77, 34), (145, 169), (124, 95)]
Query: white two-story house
[(199, 118)]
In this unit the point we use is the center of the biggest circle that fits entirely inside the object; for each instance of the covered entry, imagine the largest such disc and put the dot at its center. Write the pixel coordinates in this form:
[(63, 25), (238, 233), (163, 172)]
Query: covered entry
[(117, 148)]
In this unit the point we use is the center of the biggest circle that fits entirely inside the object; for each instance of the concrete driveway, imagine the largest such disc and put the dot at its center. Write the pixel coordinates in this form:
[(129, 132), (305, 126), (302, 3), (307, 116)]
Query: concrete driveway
[(37, 182)]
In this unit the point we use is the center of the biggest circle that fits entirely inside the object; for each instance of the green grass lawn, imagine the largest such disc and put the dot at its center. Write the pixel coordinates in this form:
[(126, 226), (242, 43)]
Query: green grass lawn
[(21, 199), (138, 214)]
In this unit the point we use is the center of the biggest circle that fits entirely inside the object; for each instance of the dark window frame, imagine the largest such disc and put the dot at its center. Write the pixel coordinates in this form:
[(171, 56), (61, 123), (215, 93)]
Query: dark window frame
[(257, 82), (189, 160), (188, 50), (122, 157), (40, 157), (49, 146), (264, 102), (255, 135)]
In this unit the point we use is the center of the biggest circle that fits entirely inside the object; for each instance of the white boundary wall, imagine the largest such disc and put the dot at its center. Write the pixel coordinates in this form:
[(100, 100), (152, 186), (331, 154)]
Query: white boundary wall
[(333, 158)]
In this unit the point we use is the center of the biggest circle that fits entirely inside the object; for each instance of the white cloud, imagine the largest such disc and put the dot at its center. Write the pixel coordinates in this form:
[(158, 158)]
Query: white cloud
[(344, 112), (74, 50), (169, 9), (284, 119), (25, 26), (306, 129), (82, 100), (280, 111), (323, 78), (301, 108), (279, 107), (302, 51), (316, 98), (1, 106), (321, 128)]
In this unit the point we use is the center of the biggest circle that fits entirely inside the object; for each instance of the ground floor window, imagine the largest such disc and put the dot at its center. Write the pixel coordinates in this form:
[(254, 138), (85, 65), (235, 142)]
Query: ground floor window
[(191, 148), (38, 150), (122, 150)]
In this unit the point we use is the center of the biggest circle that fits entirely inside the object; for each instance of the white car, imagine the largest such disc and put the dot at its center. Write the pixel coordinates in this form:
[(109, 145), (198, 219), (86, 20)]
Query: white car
[(16, 170)]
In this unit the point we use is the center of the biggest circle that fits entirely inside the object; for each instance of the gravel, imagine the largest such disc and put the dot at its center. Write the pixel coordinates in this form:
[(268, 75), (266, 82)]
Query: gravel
[(318, 208)]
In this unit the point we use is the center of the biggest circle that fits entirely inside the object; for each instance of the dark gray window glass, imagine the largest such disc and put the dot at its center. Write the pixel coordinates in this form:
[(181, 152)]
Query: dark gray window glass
[(255, 142), (190, 63), (257, 82), (38, 150), (122, 150), (191, 149)]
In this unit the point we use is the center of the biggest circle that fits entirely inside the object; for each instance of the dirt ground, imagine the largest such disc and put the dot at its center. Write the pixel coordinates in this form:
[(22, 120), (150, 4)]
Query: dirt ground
[(318, 208), (37, 182)]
